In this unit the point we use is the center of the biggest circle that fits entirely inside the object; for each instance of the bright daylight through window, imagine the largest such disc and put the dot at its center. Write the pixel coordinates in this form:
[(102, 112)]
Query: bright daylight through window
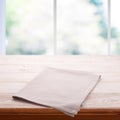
[(72, 26)]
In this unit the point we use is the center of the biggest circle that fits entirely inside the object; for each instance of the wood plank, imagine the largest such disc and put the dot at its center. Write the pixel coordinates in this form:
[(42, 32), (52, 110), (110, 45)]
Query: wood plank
[(27, 59), (11, 87), (102, 103), (33, 68), (60, 117), (102, 87), (17, 77), (24, 76), (93, 101)]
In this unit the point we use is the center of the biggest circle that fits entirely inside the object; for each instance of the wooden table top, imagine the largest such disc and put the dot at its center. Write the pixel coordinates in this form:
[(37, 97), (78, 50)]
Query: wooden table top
[(17, 71)]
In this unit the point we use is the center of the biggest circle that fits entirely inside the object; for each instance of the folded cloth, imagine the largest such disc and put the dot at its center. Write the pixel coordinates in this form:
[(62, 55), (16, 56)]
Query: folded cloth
[(64, 90)]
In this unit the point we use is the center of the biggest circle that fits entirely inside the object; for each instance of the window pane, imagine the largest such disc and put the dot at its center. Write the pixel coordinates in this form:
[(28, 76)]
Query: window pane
[(115, 29), (29, 26), (82, 27)]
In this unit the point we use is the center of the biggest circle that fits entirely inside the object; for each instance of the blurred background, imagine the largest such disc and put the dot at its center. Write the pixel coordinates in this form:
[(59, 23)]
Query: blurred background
[(81, 27)]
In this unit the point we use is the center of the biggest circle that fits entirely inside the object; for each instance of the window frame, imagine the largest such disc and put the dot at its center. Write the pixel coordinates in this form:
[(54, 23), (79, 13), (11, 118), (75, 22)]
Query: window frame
[(3, 27), (109, 26)]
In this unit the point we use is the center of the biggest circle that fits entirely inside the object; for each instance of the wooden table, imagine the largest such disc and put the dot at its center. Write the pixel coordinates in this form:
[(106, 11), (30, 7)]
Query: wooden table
[(102, 104)]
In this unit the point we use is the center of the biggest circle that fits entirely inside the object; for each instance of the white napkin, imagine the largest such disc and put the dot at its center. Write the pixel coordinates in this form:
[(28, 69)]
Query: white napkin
[(64, 90)]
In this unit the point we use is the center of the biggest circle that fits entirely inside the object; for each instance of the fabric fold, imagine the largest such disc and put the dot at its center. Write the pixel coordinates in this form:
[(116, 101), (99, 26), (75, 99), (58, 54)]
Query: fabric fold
[(64, 90)]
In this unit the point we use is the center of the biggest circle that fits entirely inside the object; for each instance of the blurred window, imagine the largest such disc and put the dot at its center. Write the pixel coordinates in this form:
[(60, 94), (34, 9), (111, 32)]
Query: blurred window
[(60, 26)]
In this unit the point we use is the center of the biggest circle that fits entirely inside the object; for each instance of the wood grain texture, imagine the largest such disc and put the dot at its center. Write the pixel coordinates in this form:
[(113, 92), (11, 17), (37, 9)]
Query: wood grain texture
[(102, 103)]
